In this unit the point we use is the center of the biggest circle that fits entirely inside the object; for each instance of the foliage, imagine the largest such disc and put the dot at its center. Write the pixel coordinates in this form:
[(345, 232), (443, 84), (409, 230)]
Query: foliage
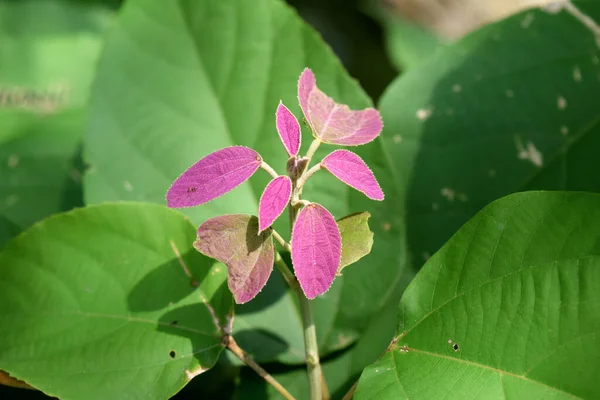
[(105, 291)]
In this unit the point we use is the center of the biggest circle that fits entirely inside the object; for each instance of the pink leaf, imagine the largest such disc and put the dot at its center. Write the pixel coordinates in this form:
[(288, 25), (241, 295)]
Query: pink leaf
[(288, 129), (273, 201), (234, 240), (213, 176), (316, 249), (332, 122), (352, 170), (306, 85)]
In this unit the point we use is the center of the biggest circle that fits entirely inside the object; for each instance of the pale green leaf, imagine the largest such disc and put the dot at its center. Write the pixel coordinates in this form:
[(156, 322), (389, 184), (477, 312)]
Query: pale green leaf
[(110, 301)]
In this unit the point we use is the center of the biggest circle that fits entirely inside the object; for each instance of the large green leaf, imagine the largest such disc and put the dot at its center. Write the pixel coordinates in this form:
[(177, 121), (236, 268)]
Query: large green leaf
[(511, 107), (110, 301), (46, 67), (181, 79), (509, 308)]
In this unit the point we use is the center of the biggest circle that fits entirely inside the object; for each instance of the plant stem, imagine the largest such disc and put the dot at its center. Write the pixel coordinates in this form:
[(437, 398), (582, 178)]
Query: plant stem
[(310, 334), (287, 274), (246, 359), (307, 174), (312, 149), (286, 246), (268, 168), (312, 349)]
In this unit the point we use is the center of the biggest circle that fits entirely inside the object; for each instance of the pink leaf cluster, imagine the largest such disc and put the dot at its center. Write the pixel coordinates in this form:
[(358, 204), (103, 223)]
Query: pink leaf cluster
[(245, 243)]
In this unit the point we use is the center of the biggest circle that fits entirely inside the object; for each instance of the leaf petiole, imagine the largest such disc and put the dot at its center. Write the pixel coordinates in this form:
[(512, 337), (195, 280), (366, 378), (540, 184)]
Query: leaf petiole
[(269, 169)]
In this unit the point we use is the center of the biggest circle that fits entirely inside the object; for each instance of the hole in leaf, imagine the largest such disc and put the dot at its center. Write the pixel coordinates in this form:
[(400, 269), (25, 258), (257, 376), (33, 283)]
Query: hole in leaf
[(172, 354), (191, 189), (455, 347)]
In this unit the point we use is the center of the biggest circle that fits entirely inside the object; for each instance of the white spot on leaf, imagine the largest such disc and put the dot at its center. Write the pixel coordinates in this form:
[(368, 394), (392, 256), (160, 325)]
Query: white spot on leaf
[(577, 74), (561, 103), (456, 88), (525, 22), (448, 193), (423, 114), (564, 130), (387, 226), (192, 374), (509, 93), (530, 153), (128, 186), (397, 139)]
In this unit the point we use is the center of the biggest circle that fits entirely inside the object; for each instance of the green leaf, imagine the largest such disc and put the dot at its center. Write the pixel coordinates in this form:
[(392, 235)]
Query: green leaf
[(510, 107), (47, 66), (507, 309), (110, 301), (180, 80), (357, 239), (407, 44)]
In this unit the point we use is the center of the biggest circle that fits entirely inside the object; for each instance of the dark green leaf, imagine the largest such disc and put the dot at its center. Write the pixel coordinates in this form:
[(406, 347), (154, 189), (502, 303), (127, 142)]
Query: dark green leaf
[(183, 79), (511, 107), (357, 239), (47, 66), (507, 309), (110, 301)]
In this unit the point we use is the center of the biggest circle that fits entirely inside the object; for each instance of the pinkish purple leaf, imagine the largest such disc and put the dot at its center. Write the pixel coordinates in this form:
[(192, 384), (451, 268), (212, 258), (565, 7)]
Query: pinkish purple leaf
[(273, 201), (213, 176), (288, 129), (316, 249), (234, 240), (332, 122), (352, 170)]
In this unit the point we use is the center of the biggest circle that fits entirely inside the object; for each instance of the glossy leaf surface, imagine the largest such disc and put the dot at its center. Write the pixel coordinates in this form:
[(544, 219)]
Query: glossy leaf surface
[(507, 309), (234, 240)]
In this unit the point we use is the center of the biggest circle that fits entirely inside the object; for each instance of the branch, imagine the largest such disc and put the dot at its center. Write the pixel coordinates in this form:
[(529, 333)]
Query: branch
[(246, 359)]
